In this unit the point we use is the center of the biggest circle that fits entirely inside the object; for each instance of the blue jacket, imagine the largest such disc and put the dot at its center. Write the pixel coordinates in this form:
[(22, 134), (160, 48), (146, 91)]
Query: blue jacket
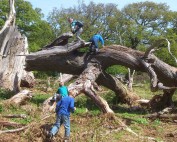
[(63, 91), (97, 38), (65, 106)]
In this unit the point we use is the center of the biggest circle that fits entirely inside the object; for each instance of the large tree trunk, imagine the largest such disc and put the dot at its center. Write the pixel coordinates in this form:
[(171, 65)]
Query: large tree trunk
[(67, 59), (13, 47)]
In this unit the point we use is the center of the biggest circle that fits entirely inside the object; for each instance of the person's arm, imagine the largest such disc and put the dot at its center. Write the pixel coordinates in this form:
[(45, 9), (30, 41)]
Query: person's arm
[(71, 106), (58, 106)]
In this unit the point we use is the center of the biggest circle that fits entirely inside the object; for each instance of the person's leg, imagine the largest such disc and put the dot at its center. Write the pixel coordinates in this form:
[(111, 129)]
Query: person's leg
[(78, 33), (96, 46), (91, 45), (66, 122), (56, 126)]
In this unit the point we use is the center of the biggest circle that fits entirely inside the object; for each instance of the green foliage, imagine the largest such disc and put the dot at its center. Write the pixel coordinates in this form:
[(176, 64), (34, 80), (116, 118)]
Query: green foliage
[(39, 99), (96, 18), (5, 94), (1, 108), (116, 69), (156, 122), (23, 121), (4, 9), (85, 102), (44, 74), (142, 24), (29, 22)]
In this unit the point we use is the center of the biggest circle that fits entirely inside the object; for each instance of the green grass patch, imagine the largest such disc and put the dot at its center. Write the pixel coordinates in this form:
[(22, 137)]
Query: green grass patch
[(1, 108), (5, 94), (39, 98), (22, 121)]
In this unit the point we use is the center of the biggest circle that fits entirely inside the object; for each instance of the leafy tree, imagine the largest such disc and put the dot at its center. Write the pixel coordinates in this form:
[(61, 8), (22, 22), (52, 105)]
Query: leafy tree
[(144, 22), (96, 18), (29, 22)]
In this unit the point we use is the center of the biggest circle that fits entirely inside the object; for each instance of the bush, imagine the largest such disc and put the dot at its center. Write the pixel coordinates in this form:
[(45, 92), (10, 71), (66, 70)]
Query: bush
[(5, 94), (117, 69)]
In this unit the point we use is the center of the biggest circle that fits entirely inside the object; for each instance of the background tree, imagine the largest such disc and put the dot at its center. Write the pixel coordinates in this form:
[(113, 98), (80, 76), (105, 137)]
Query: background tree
[(145, 21), (29, 22)]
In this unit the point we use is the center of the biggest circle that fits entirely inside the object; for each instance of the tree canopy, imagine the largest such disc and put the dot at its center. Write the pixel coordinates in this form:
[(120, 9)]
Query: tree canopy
[(30, 23), (137, 25)]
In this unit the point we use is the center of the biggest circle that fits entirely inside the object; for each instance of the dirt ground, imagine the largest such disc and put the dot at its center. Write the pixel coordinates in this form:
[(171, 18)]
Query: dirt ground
[(99, 128)]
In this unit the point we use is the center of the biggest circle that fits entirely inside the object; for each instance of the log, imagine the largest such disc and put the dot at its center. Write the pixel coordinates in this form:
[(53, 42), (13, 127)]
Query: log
[(27, 79), (14, 130), (15, 116), (67, 59), (20, 98), (7, 123)]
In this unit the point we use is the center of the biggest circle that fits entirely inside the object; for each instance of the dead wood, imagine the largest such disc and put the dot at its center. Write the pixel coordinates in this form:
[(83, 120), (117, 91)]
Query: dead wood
[(20, 98), (67, 59), (13, 46), (14, 130), (162, 116), (15, 116), (7, 123)]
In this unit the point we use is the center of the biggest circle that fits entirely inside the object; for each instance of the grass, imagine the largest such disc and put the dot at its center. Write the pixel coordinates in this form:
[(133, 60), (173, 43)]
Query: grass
[(88, 123), (5, 94), (38, 99)]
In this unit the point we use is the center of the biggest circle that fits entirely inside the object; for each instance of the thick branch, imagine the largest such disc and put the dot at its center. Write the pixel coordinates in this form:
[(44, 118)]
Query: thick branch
[(20, 98), (121, 91), (14, 130)]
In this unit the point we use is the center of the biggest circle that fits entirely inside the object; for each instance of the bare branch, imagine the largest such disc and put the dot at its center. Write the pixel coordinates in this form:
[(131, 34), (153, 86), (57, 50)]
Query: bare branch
[(14, 130), (7, 123), (15, 116)]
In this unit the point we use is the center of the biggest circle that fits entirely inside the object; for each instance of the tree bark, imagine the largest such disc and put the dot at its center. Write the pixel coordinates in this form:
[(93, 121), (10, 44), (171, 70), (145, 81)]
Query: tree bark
[(13, 47), (68, 59), (20, 98)]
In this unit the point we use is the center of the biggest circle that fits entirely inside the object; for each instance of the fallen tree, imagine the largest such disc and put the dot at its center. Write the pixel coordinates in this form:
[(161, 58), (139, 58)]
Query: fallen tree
[(13, 48), (20, 98), (66, 58)]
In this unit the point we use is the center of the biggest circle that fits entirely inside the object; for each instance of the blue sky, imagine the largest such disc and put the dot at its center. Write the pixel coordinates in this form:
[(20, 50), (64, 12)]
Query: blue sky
[(48, 5)]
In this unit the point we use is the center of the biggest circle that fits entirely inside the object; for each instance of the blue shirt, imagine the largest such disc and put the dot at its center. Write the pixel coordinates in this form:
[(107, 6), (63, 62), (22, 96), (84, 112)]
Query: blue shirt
[(97, 38), (65, 106), (63, 91)]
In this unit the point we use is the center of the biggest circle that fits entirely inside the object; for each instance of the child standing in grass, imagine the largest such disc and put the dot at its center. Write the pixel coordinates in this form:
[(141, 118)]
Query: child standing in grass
[(64, 106)]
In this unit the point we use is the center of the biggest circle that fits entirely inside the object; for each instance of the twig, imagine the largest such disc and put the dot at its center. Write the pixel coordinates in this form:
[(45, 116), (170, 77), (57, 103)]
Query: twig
[(15, 116), (6, 123), (14, 130)]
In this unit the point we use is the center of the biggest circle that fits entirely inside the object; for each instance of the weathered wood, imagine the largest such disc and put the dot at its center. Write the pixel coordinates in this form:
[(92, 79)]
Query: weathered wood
[(7, 123), (85, 84), (13, 47), (27, 79), (15, 116), (67, 59), (61, 40), (48, 107), (14, 130), (20, 98), (111, 82), (65, 77), (73, 62)]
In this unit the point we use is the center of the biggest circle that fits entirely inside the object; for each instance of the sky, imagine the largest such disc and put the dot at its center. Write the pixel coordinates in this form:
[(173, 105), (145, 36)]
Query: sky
[(48, 5)]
